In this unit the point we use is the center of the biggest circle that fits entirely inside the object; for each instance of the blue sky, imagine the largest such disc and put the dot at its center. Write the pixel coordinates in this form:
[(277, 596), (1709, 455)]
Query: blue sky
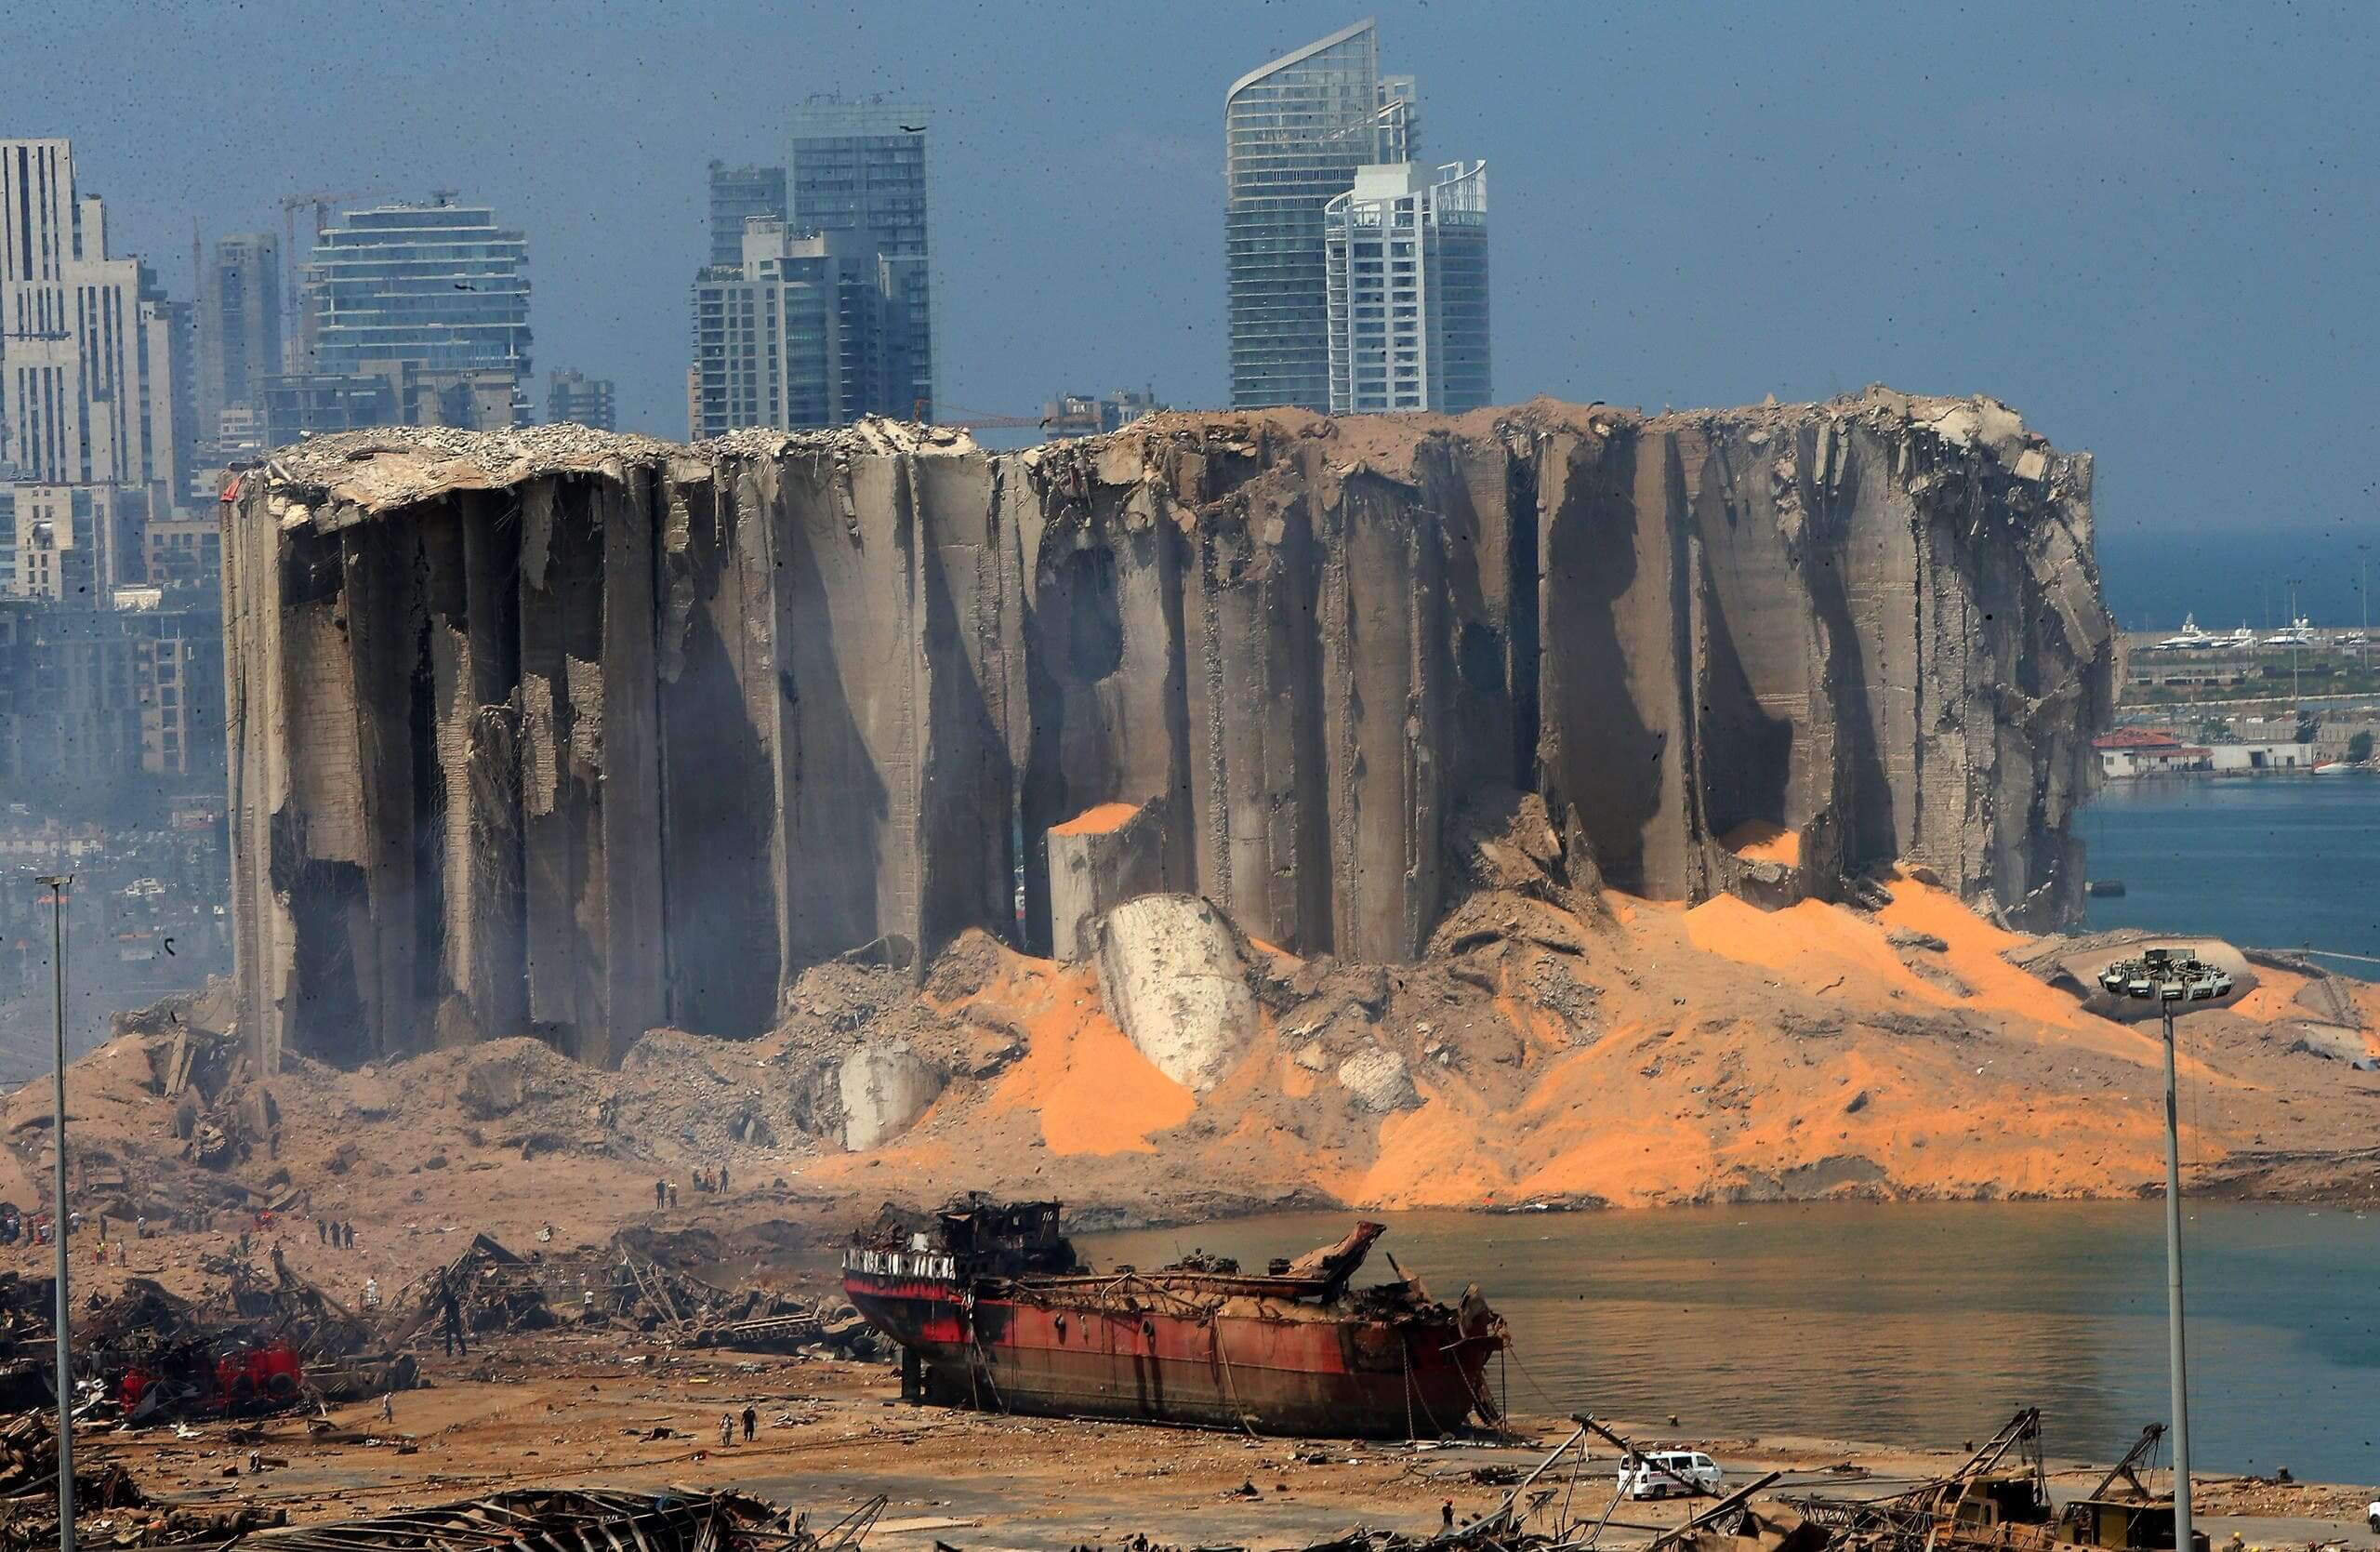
[(2149, 227)]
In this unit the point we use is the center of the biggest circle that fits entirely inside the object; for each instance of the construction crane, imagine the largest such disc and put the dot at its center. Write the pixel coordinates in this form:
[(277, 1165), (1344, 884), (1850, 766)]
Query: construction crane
[(2128, 1469), (322, 200), (298, 325)]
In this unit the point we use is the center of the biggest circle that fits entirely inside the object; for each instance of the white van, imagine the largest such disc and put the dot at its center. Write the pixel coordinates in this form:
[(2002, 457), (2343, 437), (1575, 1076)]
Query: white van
[(1655, 1474)]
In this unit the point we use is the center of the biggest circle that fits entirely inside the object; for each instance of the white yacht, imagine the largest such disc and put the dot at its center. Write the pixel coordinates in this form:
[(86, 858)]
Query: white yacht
[(2300, 633)]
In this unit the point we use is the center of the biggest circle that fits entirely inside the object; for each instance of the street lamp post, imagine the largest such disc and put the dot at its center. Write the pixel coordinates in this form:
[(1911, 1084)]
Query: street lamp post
[(2172, 978), (57, 884), (2364, 589)]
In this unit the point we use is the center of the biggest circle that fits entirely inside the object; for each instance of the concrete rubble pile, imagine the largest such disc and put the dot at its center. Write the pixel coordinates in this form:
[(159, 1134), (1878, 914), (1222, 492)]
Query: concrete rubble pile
[(569, 735)]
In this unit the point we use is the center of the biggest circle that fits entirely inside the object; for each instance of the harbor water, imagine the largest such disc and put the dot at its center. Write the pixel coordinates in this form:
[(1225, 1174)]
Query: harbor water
[(1925, 1324), (2266, 862)]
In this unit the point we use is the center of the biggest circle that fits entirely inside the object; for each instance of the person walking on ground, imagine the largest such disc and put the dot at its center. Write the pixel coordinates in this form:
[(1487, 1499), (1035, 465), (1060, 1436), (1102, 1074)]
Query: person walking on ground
[(451, 1308), (751, 1421), (347, 1229), (322, 1231), (388, 1406), (723, 1177), (673, 1193), (726, 1429), (660, 1195), (1446, 1514), (140, 1227)]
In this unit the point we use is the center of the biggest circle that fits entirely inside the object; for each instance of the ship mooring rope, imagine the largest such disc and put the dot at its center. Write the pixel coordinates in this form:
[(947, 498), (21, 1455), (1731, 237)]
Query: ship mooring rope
[(1230, 1389), (975, 1340), (1437, 1429), (1405, 1350)]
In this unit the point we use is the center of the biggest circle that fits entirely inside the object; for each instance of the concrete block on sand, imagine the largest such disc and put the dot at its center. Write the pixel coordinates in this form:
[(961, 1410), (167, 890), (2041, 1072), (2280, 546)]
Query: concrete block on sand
[(1380, 1080), (1099, 859), (1172, 979), (883, 1089)]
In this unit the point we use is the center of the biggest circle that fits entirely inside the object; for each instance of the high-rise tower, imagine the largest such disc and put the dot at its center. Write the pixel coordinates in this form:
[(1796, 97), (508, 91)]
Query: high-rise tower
[(863, 165), (433, 298), (736, 195), (1406, 253), (800, 335), (239, 327), (1294, 133)]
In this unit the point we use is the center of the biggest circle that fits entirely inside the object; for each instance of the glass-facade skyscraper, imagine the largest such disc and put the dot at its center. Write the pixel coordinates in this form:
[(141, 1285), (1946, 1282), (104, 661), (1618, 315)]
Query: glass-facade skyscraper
[(424, 292), (737, 194), (1295, 131), (863, 165)]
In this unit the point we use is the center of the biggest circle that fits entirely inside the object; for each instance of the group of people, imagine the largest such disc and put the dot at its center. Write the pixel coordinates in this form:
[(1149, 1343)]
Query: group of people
[(727, 1426), (37, 1228), (335, 1231), (41, 1229), (665, 1192)]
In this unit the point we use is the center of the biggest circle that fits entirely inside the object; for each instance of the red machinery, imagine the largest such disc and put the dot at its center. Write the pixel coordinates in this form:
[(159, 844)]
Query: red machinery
[(241, 1378)]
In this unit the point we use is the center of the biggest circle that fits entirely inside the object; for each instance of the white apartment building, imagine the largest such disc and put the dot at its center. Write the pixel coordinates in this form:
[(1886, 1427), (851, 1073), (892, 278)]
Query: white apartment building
[(87, 340), (1406, 256)]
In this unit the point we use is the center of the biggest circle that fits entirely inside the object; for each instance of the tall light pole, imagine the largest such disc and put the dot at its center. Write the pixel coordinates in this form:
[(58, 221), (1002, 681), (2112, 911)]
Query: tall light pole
[(2363, 586), (2172, 977), (2297, 697), (57, 884)]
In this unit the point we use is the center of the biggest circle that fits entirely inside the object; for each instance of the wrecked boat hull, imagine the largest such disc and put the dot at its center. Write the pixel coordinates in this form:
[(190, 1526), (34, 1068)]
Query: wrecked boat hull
[(1112, 1349)]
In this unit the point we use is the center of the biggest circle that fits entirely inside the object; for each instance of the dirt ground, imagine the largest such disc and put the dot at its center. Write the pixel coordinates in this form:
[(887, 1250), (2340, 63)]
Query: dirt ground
[(562, 1409)]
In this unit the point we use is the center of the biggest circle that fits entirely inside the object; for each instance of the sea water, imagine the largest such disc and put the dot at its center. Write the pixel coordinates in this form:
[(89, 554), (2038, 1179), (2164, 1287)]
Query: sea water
[(1922, 1324), (2266, 862)]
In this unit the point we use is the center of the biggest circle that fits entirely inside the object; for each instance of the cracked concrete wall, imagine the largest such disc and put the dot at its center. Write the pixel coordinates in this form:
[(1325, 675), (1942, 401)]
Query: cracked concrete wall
[(572, 734)]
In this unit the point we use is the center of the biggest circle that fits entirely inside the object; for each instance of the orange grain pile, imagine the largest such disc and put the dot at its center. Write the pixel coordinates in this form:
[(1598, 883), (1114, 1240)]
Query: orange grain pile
[(1101, 820), (1758, 841), (1091, 1088)]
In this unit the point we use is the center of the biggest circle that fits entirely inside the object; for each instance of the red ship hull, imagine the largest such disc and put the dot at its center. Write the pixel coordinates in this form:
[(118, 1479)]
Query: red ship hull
[(1176, 1349)]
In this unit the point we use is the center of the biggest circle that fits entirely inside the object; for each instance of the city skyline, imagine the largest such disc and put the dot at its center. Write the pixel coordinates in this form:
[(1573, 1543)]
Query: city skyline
[(2095, 218)]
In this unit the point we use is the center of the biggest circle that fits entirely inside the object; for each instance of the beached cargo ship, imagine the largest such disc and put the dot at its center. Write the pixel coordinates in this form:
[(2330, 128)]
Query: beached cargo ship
[(993, 1311)]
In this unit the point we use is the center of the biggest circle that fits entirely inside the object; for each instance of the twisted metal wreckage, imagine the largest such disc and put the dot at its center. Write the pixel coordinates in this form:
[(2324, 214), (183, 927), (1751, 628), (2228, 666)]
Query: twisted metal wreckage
[(1996, 1501)]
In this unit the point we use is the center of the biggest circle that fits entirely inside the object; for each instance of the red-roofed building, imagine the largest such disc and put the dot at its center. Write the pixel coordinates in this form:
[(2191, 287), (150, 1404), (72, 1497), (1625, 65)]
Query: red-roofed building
[(2136, 751)]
